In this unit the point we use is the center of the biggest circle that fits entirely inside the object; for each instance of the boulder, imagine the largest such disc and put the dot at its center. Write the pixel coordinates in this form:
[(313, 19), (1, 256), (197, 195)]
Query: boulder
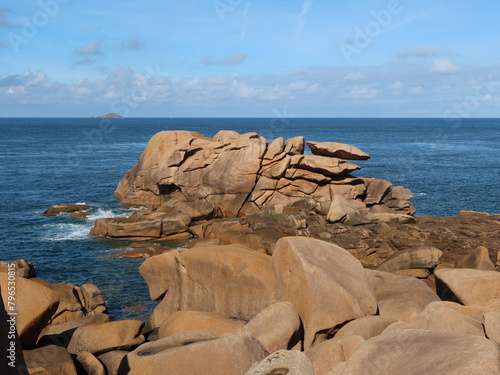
[(61, 334), (91, 364), (60, 208), (231, 280), (50, 359), (137, 250), (399, 297), (443, 319), (346, 211), (400, 193), (34, 303), (365, 327), (101, 338), (217, 324), (21, 267), (195, 353), (92, 299), (468, 286), (12, 359), (290, 362), (112, 360), (294, 146), (416, 352), (478, 259), (276, 327), (328, 354), (70, 306), (327, 166), (492, 325), (415, 257), (377, 192), (419, 273), (337, 150), (311, 272)]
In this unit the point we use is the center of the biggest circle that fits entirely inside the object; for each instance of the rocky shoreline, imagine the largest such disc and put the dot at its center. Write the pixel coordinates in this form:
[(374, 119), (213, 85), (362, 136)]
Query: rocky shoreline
[(291, 265)]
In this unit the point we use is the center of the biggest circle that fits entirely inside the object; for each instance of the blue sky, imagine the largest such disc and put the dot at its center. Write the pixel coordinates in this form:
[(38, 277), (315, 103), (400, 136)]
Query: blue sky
[(244, 58)]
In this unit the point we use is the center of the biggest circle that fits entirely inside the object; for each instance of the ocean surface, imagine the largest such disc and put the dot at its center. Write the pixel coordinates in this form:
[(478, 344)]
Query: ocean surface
[(45, 161)]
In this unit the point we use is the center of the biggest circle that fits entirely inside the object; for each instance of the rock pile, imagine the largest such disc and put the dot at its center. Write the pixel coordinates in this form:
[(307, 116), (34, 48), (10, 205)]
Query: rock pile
[(184, 177), (310, 308)]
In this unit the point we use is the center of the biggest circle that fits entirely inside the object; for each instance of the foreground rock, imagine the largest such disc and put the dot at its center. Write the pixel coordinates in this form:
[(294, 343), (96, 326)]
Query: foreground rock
[(101, 338), (35, 304), (315, 273), (417, 352), (49, 360), (231, 280), (181, 321), (195, 353), (283, 362), (399, 297), (467, 286), (21, 268)]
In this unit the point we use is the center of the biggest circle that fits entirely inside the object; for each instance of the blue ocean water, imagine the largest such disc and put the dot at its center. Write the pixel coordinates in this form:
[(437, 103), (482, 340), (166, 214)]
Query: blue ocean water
[(45, 161)]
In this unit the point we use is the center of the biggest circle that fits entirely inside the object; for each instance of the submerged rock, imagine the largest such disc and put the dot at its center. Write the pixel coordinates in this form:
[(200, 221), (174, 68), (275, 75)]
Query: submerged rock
[(60, 208)]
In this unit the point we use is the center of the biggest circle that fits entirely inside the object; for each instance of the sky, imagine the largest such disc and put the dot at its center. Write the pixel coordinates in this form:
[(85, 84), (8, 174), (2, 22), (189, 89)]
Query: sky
[(250, 58)]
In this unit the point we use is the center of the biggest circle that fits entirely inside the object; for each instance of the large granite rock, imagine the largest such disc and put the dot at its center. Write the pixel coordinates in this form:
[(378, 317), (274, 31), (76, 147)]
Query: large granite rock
[(231, 280), (468, 286), (182, 172), (34, 304), (195, 353), (326, 284), (416, 352), (400, 297), (290, 362)]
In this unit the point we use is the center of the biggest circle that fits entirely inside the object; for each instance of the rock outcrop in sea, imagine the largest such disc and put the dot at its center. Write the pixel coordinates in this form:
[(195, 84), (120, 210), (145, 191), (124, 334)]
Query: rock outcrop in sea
[(297, 267), (184, 177)]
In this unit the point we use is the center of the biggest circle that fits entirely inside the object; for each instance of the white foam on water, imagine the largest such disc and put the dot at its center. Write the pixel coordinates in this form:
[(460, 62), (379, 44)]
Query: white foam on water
[(103, 214), (66, 232), (78, 230), (420, 194)]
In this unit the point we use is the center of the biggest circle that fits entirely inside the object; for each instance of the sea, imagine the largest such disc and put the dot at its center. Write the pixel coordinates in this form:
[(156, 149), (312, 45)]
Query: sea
[(449, 167)]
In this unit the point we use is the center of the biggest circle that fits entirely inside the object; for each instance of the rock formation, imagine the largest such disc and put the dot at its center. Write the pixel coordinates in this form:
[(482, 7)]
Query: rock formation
[(183, 177)]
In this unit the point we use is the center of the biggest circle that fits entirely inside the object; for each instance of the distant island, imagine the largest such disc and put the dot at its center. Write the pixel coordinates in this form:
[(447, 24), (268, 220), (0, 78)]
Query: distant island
[(109, 115)]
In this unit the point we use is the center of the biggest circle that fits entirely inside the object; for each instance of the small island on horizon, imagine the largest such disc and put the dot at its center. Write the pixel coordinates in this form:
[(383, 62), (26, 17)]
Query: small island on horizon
[(108, 115)]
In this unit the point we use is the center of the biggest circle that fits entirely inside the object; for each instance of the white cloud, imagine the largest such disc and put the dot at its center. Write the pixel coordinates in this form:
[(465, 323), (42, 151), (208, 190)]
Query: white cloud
[(89, 49), (417, 90), (354, 77), (361, 92), (396, 86), (444, 66), (303, 86), (229, 60)]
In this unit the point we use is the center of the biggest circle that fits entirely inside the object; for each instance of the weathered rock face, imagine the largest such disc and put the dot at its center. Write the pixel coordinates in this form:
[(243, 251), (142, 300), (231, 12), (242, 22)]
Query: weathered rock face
[(35, 305), (101, 338), (290, 362), (196, 353), (399, 297), (59, 208), (416, 352), (467, 286), (50, 359), (231, 280), (326, 284), (276, 327), (21, 267), (233, 175), (181, 321)]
